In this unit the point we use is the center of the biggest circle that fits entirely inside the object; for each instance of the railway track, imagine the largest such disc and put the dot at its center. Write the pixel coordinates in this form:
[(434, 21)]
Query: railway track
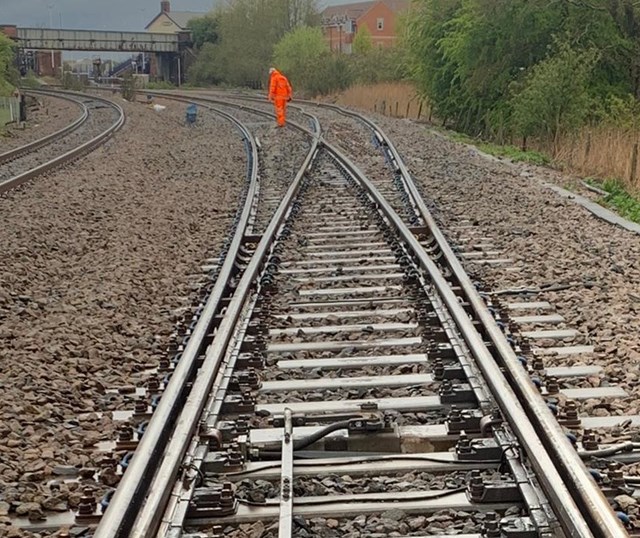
[(349, 380), (344, 377), (99, 119)]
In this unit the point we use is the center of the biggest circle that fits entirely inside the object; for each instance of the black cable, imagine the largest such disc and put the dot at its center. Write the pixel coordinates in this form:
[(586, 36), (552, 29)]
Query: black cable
[(299, 444), (341, 500), (311, 463)]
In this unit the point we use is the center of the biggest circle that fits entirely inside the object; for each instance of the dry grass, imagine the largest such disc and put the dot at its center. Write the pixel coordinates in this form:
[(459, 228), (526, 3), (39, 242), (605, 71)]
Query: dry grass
[(606, 152), (394, 99)]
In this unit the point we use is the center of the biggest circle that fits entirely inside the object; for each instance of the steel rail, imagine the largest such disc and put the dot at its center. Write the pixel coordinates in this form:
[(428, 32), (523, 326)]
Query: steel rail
[(41, 142), (149, 518), (587, 495), (572, 520), (131, 491), (136, 505), (72, 154)]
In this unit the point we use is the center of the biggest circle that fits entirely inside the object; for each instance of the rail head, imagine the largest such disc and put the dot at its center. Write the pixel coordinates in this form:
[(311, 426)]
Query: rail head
[(73, 154), (588, 497), (573, 521), (589, 500), (36, 144), (564, 497), (143, 490)]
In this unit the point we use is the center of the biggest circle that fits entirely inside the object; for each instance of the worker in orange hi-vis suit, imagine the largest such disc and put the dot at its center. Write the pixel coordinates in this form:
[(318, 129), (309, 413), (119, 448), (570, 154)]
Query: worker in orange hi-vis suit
[(279, 94)]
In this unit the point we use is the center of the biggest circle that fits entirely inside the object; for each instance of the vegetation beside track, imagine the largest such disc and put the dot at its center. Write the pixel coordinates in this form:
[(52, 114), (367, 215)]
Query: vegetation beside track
[(8, 73), (618, 198)]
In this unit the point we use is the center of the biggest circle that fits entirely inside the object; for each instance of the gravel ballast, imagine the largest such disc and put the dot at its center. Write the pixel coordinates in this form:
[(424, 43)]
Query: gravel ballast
[(95, 268), (97, 257)]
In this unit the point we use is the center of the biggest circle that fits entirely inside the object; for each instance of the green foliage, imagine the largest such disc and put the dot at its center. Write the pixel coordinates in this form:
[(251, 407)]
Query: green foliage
[(378, 65), (554, 97), (8, 74), (205, 70), (616, 111), (304, 56), (363, 42), (619, 199), (247, 31), (160, 85), (30, 81), (73, 82), (504, 151), (474, 58), (204, 30)]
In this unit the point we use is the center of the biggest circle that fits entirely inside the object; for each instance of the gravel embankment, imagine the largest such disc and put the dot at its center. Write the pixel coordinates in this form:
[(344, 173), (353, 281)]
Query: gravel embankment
[(94, 271), (44, 118)]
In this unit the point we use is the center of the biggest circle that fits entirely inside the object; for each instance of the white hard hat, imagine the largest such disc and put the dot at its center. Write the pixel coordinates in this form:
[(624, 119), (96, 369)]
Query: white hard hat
[(272, 70)]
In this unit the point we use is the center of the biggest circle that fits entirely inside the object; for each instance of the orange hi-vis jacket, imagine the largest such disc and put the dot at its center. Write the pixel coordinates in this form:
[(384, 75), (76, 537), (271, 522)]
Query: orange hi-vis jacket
[(279, 87)]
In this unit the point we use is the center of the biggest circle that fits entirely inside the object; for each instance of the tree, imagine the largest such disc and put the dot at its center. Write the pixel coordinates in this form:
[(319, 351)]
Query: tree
[(304, 55), (8, 73), (467, 56), (555, 96), (204, 30), (299, 53), (247, 31), (205, 69), (363, 42)]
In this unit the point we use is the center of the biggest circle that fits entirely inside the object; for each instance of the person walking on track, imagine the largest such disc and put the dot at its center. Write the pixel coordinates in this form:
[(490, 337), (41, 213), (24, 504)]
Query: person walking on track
[(279, 94)]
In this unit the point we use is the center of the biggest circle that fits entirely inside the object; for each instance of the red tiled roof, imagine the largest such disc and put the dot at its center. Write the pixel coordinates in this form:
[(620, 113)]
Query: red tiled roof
[(358, 9)]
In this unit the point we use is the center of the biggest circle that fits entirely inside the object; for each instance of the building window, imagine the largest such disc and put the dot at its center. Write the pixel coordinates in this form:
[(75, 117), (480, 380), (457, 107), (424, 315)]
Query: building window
[(380, 24)]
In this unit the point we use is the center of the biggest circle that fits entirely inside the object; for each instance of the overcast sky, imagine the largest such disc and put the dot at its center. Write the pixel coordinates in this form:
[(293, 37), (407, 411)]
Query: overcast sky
[(122, 15)]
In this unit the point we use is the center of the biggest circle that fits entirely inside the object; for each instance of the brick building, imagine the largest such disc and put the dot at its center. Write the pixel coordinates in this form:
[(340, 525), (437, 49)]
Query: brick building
[(340, 23), (167, 21)]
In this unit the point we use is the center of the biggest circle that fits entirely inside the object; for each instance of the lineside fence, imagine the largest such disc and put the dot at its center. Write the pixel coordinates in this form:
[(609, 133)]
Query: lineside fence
[(9, 110), (394, 99)]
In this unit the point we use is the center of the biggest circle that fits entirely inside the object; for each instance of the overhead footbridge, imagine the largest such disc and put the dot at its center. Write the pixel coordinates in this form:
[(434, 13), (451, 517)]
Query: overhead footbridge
[(97, 40)]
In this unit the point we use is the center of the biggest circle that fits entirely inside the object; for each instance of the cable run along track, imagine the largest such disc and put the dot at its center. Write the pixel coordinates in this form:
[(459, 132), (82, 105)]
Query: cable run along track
[(339, 328), (99, 119)]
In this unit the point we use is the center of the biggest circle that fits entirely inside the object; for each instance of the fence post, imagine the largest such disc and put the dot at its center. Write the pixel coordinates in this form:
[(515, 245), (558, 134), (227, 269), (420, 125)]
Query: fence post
[(396, 109), (587, 149), (634, 164), (408, 108), (384, 108), (420, 109)]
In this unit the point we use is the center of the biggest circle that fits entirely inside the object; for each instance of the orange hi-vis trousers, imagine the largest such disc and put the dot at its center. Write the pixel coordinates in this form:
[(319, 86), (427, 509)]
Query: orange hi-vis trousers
[(281, 110)]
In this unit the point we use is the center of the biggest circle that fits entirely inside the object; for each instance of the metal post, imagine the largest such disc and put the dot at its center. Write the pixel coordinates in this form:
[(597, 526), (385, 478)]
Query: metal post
[(634, 163), (53, 61)]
